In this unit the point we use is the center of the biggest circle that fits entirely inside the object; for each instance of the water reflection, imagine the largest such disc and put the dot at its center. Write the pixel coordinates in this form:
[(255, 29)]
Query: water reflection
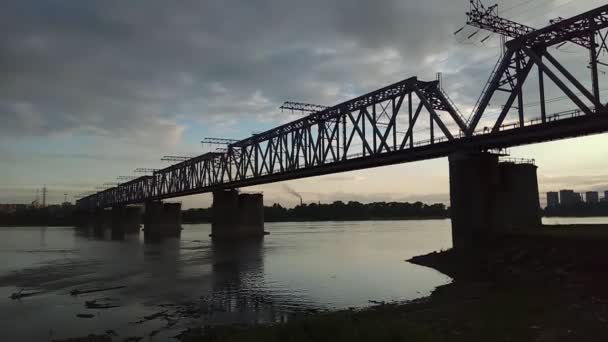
[(163, 263), (239, 292), (300, 267)]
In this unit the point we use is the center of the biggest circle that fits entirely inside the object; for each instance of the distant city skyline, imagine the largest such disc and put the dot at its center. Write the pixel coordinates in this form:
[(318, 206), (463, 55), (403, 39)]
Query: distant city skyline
[(569, 197)]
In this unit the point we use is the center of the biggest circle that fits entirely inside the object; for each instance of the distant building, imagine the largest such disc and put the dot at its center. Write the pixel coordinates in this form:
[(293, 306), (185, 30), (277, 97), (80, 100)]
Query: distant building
[(552, 199), (8, 208), (569, 198), (11, 208), (592, 197)]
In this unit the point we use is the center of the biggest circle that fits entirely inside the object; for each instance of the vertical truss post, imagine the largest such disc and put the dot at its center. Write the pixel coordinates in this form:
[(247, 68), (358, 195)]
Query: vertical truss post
[(411, 109), (337, 128), (593, 64), (396, 109), (363, 135), (541, 88), (257, 169), (344, 138), (520, 96), (373, 122), (432, 127)]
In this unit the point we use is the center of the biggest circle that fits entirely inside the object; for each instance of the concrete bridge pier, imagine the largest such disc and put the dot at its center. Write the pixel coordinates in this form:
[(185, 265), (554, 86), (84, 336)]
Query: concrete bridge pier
[(237, 216), (488, 197), (125, 220), (100, 220), (162, 220)]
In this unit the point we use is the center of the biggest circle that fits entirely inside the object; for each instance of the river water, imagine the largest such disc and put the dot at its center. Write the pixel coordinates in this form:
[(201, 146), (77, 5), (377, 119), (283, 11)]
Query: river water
[(298, 268)]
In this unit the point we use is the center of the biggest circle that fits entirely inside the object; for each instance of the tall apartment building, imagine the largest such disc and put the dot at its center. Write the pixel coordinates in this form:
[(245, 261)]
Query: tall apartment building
[(552, 199)]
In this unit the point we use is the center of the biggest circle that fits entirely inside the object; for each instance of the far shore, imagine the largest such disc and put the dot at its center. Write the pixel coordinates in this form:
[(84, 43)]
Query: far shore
[(301, 221)]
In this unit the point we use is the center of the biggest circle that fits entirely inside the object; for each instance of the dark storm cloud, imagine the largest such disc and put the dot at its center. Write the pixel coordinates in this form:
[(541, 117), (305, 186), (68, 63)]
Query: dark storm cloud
[(113, 68)]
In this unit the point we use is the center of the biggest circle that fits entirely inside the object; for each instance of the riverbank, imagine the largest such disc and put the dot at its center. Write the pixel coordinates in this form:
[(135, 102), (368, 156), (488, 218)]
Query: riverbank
[(532, 287)]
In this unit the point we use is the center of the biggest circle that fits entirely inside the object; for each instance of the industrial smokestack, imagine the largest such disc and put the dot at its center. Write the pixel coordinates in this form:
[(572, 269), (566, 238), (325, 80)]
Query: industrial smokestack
[(293, 192)]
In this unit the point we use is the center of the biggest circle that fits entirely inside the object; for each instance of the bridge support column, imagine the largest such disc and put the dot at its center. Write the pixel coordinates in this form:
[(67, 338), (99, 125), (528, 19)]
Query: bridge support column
[(162, 220), (125, 220), (100, 220), (488, 197), (237, 216), (517, 201), (474, 179)]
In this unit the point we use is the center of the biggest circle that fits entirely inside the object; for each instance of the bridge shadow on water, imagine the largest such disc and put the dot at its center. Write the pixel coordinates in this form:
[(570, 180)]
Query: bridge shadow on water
[(239, 292)]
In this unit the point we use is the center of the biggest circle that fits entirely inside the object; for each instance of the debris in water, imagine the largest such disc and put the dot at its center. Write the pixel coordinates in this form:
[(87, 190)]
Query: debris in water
[(80, 315), (76, 292), (21, 294), (92, 304)]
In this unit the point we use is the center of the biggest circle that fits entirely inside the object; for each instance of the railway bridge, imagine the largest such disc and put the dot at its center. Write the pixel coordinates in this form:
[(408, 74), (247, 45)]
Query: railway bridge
[(408, 121)]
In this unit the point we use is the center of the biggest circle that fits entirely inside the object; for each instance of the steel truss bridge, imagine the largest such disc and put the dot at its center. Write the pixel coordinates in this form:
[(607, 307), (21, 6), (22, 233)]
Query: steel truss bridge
[(383, 126)]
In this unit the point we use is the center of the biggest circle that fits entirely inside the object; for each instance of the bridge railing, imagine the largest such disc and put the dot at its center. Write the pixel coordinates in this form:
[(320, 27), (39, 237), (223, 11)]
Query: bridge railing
[(568, 114), (518, 161)]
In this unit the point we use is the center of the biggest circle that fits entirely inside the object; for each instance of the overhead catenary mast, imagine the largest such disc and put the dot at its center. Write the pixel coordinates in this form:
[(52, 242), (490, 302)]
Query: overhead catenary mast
[(44, 196)]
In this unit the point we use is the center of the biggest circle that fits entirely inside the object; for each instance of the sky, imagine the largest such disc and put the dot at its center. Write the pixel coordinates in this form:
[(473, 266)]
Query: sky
[(92, 90)]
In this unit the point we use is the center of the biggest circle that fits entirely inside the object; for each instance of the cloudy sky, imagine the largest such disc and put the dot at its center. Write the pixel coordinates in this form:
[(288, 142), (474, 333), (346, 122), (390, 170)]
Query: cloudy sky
[(91, 90)]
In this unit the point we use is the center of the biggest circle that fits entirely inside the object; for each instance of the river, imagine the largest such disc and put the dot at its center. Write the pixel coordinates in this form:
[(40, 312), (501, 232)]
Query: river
[(298, 268)]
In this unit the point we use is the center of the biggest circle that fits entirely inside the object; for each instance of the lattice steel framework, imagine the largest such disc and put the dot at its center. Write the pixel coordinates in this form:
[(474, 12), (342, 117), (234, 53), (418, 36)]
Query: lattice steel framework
[(380, 122), (527, 49), (379, 128)]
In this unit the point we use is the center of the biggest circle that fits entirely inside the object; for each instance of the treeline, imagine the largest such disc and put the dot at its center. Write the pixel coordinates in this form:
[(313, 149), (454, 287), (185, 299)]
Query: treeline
[(337, 211), (578, 210), (49, 216)]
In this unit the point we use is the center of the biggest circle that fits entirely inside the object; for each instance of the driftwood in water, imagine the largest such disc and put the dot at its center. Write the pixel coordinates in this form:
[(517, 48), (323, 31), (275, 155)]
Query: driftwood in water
[(85, 315), (94, 305), (76, 292), (21, 294)]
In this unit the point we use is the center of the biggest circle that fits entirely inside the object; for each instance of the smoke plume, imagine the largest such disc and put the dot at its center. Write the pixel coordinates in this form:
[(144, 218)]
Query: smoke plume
[(291, 191)]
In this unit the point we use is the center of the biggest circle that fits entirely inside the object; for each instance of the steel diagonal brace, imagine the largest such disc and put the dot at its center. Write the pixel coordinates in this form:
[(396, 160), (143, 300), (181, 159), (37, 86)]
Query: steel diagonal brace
[(376, 130), (410, 129), (493, 85), (514, 93), (556, 80), (451, 110), (572, 79), (392, 124), (330, 139), (358, 130), (434, 114)]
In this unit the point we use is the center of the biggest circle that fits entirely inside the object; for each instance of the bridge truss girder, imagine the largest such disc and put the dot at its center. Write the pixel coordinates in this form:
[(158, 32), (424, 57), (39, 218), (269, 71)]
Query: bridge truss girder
[(383, 127), (529, 48), (381, 122)]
